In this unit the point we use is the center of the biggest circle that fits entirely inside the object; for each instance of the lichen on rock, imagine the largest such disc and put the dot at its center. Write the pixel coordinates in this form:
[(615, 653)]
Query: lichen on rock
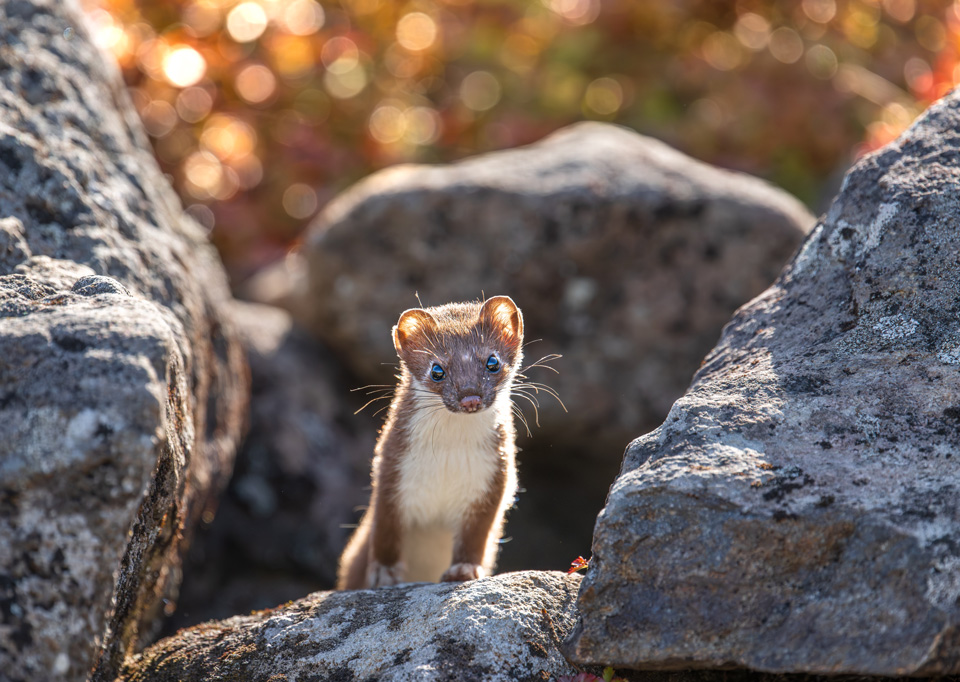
[(122, 386), (498, 629), (798, 510)]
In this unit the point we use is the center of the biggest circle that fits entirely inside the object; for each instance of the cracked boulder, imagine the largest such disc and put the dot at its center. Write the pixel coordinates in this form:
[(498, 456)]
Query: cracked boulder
[(799, 509), (122, 387), (498, 629)]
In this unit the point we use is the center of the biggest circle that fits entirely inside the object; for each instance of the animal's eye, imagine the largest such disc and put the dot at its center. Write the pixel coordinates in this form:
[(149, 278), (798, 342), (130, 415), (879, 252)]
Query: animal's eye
[(493, 363), (437, 372)]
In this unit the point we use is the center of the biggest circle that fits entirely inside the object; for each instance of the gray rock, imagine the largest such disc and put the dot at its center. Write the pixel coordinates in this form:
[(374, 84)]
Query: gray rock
[(625, 256), (799, 509), (122, 388), (498, 629), (92, 285)]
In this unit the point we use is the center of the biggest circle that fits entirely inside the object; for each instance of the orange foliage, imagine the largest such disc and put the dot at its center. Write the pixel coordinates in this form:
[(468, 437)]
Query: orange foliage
[(261, 110)]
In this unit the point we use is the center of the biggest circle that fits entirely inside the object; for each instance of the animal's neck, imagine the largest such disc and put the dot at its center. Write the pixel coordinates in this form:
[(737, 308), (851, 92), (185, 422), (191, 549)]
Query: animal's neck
[(432, 425)]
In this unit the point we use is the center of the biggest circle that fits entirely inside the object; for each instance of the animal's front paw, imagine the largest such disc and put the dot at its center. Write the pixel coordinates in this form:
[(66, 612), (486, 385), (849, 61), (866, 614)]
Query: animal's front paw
[(461, 572), (379, 575)]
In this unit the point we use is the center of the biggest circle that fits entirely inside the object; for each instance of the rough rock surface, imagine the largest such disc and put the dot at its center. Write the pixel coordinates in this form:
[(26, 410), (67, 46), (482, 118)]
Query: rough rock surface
[(799, 508), (121, 387), (301, 473), (505, 628), (625, 256)]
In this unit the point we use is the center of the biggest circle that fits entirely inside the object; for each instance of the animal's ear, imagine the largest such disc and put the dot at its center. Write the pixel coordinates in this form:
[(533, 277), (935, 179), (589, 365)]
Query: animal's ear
[(503, 316), (414, 324)]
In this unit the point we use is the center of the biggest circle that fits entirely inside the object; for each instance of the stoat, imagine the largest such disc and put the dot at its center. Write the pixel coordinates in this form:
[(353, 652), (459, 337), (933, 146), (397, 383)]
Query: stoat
[(444, 468)]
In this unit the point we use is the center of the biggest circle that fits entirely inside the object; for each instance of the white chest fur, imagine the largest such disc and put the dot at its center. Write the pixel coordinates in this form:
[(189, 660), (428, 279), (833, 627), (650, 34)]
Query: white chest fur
[(449, 464)]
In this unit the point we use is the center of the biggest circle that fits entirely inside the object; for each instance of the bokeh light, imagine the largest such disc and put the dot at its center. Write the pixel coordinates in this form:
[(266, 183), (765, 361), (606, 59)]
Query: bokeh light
[(303, 17), (107, 33), (422, 125), (821, 11), (786, 45), (604, 96), (577, 12), (247, 21), (416, 31), (227, 137), (340, 54), (752, 30), (900, 10), (204, 175), (202, 17), (255, 83), (299, 201), (722, 51), (480, 91), (159, 118), (324, 92), (183, 66), (388, 123), (822, 62), (345, 83), (293, 57), (194, 104)]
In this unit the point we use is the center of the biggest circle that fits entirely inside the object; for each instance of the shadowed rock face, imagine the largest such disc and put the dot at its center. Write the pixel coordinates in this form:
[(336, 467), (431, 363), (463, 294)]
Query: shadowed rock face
[(121, 387), (498, 629), (300, 475), (799, 510)]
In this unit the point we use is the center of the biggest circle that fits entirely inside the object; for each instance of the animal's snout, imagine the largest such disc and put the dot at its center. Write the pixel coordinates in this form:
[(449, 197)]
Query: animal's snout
[(471, 403)]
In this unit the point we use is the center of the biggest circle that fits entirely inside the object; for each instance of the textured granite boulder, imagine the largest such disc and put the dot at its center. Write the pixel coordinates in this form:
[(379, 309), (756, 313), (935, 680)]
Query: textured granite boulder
[(799, 509), (122, 388), (625, 255), (498, 629), (300, 476)]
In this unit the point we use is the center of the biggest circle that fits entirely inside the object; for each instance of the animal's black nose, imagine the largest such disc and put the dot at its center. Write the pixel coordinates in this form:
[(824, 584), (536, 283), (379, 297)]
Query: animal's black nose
[(471, 403)]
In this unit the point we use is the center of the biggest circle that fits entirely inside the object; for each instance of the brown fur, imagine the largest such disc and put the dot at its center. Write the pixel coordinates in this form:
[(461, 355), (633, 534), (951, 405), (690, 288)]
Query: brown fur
[(422, 337)]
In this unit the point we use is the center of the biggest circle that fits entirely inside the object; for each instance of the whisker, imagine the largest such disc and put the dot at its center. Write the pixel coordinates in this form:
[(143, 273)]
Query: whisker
[(370, 402), (519, 413), (529, 396), (542, 362), (536, 412), (537, 387), (361, 388), (389, 395)]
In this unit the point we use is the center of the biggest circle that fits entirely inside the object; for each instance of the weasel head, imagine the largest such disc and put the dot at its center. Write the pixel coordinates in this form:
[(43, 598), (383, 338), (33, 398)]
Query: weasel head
[(466, 354)]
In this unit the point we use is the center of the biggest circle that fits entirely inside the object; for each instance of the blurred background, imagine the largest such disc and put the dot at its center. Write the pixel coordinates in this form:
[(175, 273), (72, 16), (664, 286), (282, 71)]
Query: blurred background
[(262, 110)]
